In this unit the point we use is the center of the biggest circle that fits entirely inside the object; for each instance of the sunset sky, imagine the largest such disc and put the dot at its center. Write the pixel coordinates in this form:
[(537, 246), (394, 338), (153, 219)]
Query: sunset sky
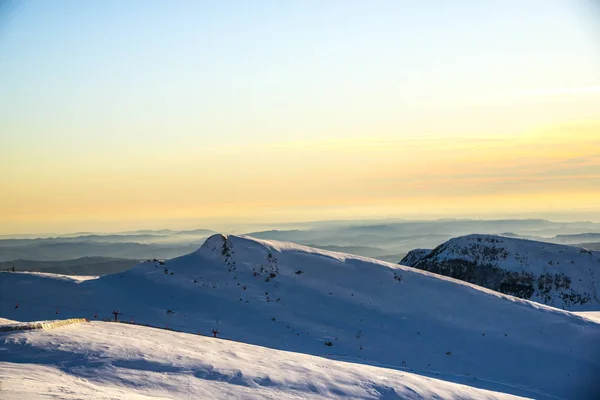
[(177, 114)]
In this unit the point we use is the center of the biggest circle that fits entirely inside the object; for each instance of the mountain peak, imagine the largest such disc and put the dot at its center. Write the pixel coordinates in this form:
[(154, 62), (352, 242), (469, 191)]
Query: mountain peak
[(213, 240)]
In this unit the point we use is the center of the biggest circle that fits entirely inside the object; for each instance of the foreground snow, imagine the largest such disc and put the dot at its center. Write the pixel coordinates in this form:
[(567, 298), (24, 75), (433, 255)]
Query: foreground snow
[(101, 360), (299, 299)]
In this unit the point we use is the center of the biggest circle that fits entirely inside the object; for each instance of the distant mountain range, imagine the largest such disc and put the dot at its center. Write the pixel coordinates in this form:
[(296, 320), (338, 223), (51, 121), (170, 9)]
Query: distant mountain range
[(562, 276), (577, 238), (53, 251), (80, 266), (390, 240), (590, 246), (387, 240), (125, 245)]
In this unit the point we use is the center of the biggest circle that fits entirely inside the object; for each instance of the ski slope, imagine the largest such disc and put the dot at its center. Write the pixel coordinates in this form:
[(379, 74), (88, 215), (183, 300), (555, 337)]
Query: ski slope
[(294, 298), (101, 360), (561, 276)]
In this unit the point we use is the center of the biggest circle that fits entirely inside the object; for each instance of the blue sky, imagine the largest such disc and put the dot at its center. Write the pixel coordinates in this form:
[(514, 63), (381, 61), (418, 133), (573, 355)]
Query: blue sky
[(192, 59)]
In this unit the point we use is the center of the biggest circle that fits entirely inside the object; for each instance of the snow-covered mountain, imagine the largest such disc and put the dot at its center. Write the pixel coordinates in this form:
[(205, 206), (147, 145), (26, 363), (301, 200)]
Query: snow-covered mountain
[(577, 238), (562, 276), (289, 297), (101, 360)]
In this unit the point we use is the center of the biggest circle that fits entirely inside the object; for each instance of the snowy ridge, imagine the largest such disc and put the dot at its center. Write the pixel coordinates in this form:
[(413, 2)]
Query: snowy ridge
[(558, 275), (108, 360), (591, 315), (214, 244), (305, 300)]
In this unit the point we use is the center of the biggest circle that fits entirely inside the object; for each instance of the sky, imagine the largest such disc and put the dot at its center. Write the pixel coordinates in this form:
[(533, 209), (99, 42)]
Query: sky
[(152, 114)]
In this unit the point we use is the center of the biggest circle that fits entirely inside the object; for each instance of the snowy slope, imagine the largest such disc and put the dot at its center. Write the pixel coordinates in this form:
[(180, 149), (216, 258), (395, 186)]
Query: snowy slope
[(593, 315), (102, 360), (300, 299), (562, 276)]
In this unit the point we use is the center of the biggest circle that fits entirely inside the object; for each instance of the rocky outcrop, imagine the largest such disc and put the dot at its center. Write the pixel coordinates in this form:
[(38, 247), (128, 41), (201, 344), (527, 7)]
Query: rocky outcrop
[(556, 275)]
